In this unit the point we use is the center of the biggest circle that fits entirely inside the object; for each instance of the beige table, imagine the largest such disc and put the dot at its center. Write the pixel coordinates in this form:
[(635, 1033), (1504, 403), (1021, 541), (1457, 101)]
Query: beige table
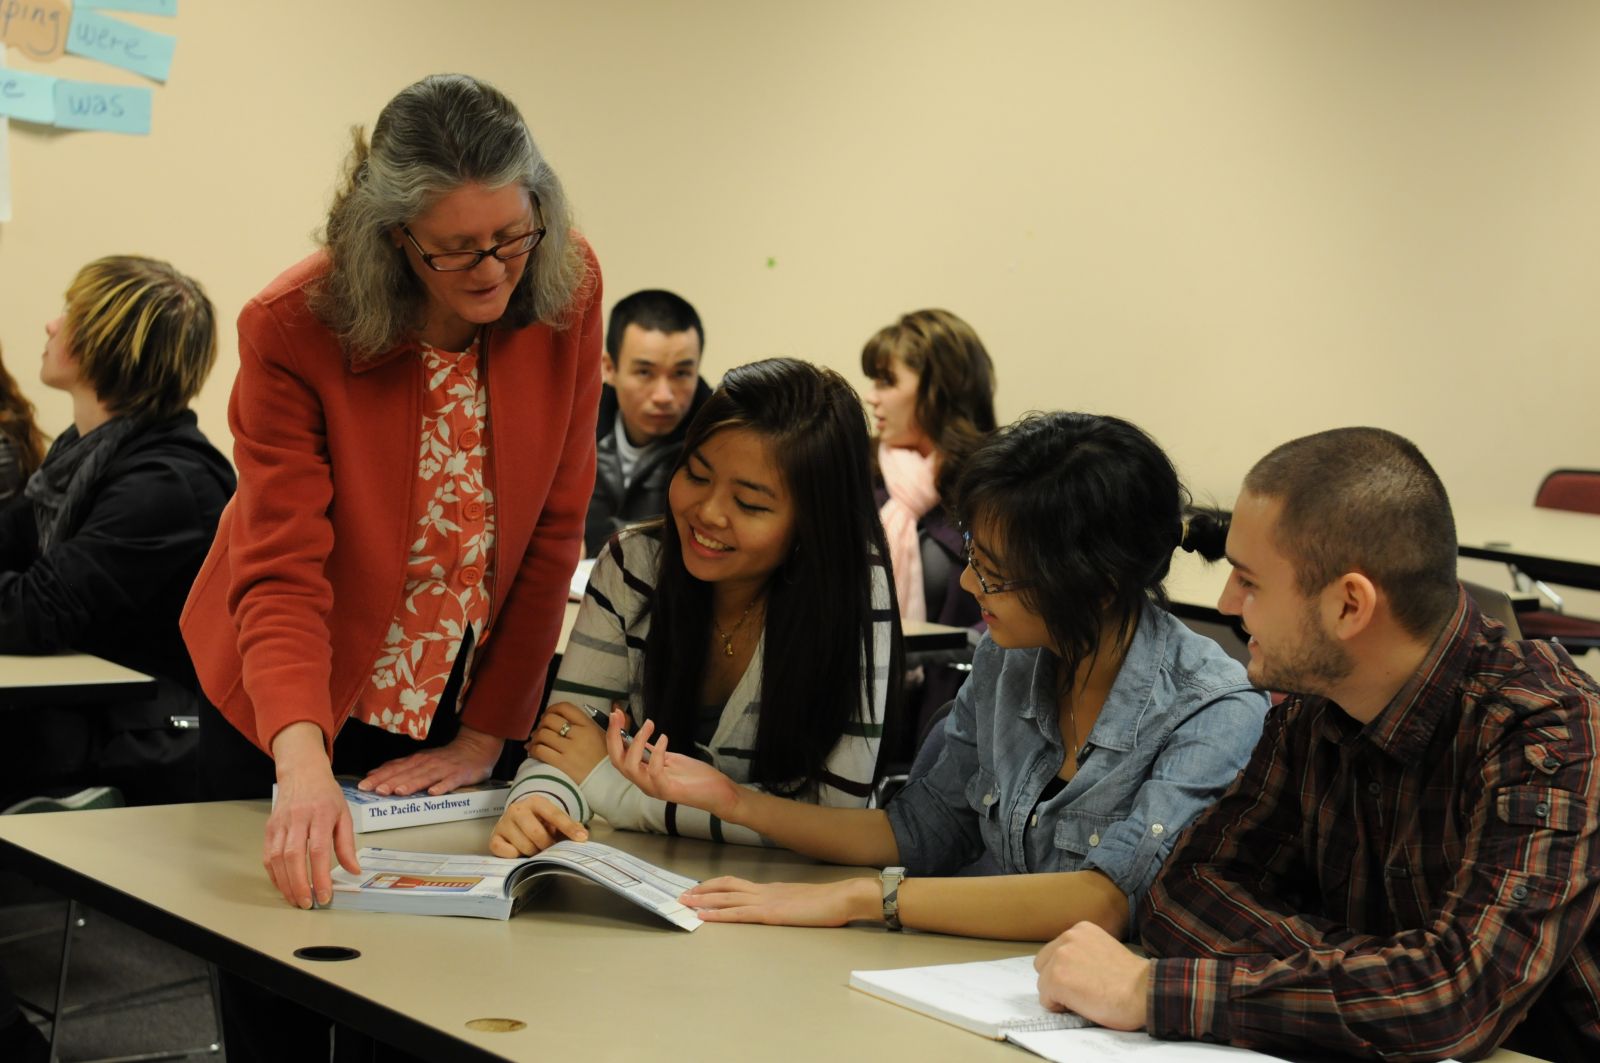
[(1553, 544), (68, 679), (593, 976)]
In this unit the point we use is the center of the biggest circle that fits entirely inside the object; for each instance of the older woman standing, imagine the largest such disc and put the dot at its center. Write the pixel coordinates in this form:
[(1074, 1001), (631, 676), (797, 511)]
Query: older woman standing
[(414, 430), (413, 424)]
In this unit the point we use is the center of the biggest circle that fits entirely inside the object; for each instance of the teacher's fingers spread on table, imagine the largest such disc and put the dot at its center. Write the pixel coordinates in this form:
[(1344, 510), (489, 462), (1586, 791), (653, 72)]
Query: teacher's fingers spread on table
[(468, 758), (1088, 971), (309, 827), (533, 824)]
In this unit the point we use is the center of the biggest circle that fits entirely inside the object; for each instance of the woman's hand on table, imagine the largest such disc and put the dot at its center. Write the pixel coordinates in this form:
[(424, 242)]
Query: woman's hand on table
[(310, 821), (568, 738), (735, 900), (671, 776), (532, 824), (468, 758)]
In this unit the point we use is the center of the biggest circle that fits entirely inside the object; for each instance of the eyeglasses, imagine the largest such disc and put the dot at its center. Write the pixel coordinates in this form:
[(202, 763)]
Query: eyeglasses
[(455, 261), (972, 562)]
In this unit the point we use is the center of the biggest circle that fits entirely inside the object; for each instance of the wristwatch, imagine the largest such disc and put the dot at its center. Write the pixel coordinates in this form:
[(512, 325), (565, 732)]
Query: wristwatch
[(890, 881)]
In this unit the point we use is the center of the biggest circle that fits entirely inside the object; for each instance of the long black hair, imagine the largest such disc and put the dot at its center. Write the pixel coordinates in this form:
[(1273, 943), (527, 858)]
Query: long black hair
[(1085, 511), (817, 667)]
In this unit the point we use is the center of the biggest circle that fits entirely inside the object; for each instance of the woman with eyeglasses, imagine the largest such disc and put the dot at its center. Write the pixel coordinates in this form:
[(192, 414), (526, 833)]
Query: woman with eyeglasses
[(754, 622), (413, 425), (1093, 728), (414, 430)]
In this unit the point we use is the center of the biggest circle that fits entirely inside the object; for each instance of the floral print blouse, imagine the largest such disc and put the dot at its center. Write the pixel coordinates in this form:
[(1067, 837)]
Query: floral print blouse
[(446, 580)]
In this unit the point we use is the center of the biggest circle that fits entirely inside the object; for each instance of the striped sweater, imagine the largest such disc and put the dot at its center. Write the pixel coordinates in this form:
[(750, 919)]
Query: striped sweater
[(604, 662)]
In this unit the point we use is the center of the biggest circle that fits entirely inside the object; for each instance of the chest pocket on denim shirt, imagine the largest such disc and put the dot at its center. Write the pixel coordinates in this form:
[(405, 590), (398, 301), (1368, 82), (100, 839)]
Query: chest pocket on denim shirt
[(1078, 833), (983, 795)]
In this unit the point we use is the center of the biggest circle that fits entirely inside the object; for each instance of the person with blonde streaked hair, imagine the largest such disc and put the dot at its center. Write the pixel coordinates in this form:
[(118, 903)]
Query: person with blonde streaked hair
[(99, 549)]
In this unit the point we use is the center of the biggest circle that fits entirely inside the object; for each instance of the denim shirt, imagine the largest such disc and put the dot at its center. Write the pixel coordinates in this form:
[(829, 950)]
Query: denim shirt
[(1179, 723)]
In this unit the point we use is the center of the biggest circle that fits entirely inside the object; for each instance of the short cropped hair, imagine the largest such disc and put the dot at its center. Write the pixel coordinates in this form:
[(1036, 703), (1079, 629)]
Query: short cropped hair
[(1085, 509), (145, 335), (1365, 500), (654, 310)]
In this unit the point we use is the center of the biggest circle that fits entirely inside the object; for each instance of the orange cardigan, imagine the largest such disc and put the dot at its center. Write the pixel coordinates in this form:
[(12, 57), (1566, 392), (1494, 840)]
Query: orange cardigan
[(308, 566)]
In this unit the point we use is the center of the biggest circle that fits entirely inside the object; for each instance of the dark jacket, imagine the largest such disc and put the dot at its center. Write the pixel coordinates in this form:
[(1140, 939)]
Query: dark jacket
[(114, 584), (614, 506)]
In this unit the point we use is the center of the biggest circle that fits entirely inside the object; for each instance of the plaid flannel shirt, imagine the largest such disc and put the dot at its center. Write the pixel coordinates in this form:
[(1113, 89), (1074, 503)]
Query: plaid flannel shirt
[(1410, 889)]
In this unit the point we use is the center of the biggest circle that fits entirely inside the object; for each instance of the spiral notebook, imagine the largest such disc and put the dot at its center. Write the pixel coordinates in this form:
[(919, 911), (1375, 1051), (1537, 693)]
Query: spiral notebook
[(994, 998)]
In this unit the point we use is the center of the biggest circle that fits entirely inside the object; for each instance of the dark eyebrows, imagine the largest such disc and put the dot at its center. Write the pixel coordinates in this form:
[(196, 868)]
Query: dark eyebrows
[(1239, 566), (749, 484)]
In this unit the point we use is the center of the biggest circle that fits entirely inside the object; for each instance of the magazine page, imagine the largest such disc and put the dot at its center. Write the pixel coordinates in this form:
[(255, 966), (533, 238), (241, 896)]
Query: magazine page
[(640, 881), (393, 871)]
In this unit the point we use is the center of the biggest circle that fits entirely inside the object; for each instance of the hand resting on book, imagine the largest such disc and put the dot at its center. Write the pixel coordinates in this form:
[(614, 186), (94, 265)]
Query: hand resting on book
[(1088, 971)]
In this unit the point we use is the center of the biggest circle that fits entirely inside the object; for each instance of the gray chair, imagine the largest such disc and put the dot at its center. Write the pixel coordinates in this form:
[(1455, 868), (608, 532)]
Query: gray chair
[(1497, 605)]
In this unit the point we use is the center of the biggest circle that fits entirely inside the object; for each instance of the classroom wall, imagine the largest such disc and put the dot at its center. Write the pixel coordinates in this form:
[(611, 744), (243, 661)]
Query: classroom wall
[(1233, 222)]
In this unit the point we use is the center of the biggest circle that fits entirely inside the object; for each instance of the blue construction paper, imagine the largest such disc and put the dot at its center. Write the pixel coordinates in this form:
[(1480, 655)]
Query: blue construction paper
[(112, 108), (148, 7), (30, 97), (113, 41)]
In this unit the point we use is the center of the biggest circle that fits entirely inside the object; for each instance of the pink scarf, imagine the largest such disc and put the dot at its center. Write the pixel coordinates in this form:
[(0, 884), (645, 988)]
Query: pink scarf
[(909, 479)]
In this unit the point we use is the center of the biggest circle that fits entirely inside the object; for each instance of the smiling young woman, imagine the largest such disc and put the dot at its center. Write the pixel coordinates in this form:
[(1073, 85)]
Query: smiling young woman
[(1093, 727), (755, 623)]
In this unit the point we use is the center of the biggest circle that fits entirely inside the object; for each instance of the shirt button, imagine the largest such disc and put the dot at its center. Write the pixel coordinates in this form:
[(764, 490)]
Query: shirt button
[(988, 799), (1033, 820), (471, 576), (1375, 789), (1094, 839), (1541, 810), (1550, 764), (473, 510), (1520, 893), (1156, 828), (470, 438)]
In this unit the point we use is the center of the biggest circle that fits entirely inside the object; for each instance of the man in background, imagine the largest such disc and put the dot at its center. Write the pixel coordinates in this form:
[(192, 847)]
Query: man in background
[(651, 367)]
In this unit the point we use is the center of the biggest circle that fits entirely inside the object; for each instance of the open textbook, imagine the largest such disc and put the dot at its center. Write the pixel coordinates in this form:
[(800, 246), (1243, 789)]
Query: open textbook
[(494, 888)]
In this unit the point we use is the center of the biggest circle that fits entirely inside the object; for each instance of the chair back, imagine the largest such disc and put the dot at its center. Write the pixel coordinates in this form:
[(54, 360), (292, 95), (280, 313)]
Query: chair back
[(1495, 604), (1577, 490)]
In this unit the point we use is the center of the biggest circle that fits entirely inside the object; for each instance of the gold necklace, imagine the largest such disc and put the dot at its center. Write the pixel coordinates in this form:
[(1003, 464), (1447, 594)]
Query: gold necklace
[(727, 636)]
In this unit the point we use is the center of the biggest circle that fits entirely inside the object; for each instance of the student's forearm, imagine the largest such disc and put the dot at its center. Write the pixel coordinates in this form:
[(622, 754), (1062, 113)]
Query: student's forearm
[(1014, 907), (838, 835)]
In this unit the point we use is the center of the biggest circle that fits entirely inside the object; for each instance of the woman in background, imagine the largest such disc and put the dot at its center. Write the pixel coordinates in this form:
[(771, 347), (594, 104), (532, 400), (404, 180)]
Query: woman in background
[(932, 398), (1093, 728), (754, 622), (21, 442), (97, 553)]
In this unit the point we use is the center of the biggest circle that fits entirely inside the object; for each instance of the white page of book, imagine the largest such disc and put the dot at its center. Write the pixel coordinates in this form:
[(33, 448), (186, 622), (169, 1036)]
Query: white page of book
[(996, 994), (1096, 1042)]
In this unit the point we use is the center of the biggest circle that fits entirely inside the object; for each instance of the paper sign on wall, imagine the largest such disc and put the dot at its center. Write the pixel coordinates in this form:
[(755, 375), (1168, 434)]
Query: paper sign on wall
[(30, 97), (113, 41), (148, 7), (36, 28), (111, 108)]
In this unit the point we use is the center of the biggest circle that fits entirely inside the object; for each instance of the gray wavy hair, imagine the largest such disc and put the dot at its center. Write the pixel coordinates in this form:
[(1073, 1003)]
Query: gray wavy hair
[(443, 132)]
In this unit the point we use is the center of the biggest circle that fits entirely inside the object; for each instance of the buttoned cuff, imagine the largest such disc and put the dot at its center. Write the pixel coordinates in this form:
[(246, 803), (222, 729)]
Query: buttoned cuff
[(1189, 999)]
